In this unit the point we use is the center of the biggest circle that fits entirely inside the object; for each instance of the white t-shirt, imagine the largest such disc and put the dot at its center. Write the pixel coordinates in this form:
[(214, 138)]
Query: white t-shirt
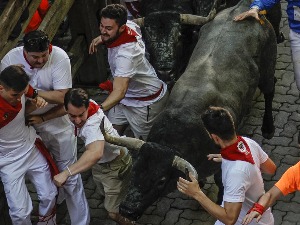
[(128, 60), (243, 182), (91, 132), (16, 139), (54, 75)]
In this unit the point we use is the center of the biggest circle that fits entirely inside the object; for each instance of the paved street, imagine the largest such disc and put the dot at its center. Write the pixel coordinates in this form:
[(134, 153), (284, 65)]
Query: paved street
[(282, 148)]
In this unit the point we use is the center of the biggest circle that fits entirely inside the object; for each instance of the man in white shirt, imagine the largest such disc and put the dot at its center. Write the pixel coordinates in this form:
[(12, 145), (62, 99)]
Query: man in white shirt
[(19, 154), (111, 164), (49, 70), (243, 160), (138, 95)]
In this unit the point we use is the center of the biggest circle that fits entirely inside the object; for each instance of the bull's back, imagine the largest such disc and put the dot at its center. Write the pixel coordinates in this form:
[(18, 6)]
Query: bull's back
[(227, 63), (224, 70)]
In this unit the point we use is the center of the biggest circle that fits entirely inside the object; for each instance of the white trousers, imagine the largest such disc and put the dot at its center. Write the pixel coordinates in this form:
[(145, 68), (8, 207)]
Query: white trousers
[(35, 167), (63, 148), (295, 48), (140, 119)]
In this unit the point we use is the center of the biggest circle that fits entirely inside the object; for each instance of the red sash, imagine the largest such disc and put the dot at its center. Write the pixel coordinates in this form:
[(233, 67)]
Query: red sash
[(150, 97), (43, 150), (238, 151), (127, 36), (8, 112)]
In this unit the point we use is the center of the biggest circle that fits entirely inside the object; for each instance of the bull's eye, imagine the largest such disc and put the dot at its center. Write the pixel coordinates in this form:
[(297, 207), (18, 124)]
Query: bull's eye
[(161, 183)]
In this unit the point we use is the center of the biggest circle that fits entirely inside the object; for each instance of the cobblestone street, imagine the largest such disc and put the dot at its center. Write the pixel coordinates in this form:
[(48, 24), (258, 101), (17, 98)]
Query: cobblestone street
[(177, 209)]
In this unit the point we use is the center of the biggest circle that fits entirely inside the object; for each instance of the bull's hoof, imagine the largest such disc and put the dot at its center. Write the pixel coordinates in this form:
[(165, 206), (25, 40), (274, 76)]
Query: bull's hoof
[(267, 134)]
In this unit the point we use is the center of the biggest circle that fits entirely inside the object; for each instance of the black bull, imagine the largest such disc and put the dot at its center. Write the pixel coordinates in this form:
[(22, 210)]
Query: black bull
[(170, 42), (230, 60)]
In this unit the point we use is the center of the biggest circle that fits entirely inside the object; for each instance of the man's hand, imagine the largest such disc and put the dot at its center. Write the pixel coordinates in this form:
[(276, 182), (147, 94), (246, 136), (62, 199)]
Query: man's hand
[(215, 157), (189, 188), (250, 13), (39, 102), (34, 119), (61, 178), (250, 216), (95, 42), (31, 105)]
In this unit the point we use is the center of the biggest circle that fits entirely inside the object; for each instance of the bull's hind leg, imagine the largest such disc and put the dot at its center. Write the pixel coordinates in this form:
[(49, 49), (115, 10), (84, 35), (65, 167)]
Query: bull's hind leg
[(268, 127), (274, 16)]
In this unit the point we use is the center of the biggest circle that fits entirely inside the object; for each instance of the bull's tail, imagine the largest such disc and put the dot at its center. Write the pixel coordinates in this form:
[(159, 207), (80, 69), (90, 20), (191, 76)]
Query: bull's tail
[(268, 128)]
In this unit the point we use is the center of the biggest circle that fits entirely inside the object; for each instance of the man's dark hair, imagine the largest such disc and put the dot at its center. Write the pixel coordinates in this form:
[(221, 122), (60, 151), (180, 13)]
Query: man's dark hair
[(36, 41), (15, 78), (218, 121), (77, 97), (115, 11)]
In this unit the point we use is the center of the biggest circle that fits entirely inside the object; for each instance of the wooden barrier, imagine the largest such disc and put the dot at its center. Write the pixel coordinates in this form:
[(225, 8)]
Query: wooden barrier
[(81, 15), (54, 17), (9, 19)]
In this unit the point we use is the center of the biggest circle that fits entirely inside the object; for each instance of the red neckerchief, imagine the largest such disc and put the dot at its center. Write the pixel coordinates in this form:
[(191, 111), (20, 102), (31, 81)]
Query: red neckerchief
[(93, 108), (238, 151), (31, 67), (127, 36), (8, 112)]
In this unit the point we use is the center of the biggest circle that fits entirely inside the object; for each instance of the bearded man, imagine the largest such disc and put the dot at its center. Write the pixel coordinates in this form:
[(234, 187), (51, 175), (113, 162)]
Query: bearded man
[(138, 95)]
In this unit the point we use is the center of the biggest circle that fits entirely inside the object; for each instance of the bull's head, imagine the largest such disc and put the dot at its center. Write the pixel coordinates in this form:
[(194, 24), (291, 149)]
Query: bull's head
[(170, 37), (152, 177)]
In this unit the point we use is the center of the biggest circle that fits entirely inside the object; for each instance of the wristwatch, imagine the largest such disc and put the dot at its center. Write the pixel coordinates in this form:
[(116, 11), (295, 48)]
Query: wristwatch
[(35, 93)]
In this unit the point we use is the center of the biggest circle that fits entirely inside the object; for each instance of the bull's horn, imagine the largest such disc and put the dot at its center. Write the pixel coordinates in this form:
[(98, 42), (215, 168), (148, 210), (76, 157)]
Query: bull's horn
[(139, 21), (190, 19), (130, 143), (181, 164)]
